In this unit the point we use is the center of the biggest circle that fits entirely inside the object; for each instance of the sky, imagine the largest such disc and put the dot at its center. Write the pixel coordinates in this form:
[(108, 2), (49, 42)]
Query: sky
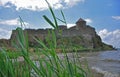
[(103, 15)]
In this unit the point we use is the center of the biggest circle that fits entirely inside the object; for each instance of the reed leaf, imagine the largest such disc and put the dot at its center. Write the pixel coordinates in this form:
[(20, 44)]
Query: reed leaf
[(53, 15), (49, 21)]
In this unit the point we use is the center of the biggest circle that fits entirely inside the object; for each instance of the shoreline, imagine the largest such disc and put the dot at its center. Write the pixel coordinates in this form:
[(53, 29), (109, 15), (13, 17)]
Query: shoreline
[(101, 66), (95, 71), (92, 60)]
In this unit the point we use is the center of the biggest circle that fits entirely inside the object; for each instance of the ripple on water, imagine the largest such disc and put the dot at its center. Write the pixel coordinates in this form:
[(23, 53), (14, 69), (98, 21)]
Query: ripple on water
[(105, 73)]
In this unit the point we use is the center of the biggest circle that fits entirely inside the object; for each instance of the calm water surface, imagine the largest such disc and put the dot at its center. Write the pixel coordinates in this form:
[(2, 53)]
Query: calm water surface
[(106, 61)]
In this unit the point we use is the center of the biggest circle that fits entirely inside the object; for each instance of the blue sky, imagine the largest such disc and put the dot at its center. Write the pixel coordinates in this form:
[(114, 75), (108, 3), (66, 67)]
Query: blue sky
[(103, 15)]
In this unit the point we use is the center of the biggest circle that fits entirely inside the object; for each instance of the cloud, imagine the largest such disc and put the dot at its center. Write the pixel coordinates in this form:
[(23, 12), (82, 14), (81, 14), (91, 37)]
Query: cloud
[(40, 5), (71, 3), (110, 37), (13, 22), (116, 17), (5, 33), (88, 20), (104, 33), (70, 25), (0, 3)]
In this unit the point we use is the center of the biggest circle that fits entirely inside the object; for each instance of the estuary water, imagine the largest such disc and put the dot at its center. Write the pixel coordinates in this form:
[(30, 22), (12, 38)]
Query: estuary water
[(106, 62)]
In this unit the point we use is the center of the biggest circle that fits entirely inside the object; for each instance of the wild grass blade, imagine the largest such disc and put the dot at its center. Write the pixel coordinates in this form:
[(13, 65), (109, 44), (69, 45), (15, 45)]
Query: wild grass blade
[(64, 20), (6, 66), (61, 20), (49, 21), (54, 39), (69, 66), (63, 17), (23, 44), (53, 15), (22, 23), (41, 43)]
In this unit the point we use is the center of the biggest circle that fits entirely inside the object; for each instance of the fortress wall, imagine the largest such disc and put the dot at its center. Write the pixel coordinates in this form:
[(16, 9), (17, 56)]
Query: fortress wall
[(82, 34)]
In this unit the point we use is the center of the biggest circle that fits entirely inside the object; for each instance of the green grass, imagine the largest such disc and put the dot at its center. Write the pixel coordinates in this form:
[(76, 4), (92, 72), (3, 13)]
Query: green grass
[(49, 66)]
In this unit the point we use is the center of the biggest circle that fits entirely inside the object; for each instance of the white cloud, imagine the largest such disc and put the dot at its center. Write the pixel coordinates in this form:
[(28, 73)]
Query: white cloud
[(110, 37), (39, 4), (104, 33), (116, 17), (0, 3), (71, 3), (5, 33), (88, 20), (13, 22), (70, 25)]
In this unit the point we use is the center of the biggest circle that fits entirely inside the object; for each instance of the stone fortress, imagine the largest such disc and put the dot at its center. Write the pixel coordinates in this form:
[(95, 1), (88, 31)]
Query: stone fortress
[(79, 35)]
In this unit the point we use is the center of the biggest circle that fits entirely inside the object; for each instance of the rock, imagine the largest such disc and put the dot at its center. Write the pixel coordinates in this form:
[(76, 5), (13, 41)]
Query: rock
[(80, 35)]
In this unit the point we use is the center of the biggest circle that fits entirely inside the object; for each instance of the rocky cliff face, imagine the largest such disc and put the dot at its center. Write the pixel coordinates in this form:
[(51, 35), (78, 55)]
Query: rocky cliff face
[(80, 35)]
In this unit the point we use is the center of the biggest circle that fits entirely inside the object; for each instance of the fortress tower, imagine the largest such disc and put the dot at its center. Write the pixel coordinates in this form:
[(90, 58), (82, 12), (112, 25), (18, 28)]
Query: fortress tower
[(80, 23)]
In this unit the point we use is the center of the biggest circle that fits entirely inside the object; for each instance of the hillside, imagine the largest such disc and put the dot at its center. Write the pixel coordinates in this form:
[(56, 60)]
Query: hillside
[(79, 36)]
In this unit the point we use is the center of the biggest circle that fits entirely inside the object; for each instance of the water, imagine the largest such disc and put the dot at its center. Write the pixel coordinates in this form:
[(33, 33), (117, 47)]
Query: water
[(111, 55), (107, 63)]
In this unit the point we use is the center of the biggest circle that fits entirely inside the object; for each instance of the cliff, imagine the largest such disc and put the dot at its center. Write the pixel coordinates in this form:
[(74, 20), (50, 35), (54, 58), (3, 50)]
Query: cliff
[(80, 35)]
